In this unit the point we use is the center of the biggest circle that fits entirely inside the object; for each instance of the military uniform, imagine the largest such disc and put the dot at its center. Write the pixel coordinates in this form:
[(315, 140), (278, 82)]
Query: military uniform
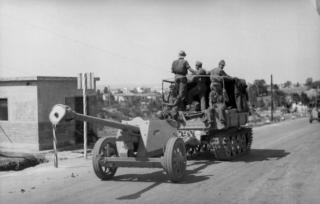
[(215, 79), (217, 97), (218, 72), (199, 90), (180, 68), (216, 111)]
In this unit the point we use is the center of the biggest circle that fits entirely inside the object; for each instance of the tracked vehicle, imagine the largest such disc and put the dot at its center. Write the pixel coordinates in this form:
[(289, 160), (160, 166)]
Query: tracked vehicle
[(224, 139)]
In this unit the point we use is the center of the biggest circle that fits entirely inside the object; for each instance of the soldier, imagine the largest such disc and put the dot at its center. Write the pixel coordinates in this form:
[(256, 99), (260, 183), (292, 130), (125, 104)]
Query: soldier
[(216, 106), (170, 112), (200, 89), (180, 68), (218, 71), (215, 77)]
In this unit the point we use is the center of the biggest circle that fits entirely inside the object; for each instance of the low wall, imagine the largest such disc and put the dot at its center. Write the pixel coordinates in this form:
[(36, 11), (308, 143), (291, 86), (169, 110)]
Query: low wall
[(19, 136)]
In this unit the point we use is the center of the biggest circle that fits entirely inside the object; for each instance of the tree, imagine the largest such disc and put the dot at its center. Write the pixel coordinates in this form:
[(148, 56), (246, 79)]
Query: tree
[(275, 87), (252, 94), (315, 84), (261, 87), (261, 103), (295, 97), (287, 84), (309, 82), (105, 90), (279, 98), (304, 98), (135, 91)]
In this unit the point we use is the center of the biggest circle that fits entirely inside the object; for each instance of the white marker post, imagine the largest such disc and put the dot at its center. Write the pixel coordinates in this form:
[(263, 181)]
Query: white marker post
[(55, 160), (82, 85), (86, 81)]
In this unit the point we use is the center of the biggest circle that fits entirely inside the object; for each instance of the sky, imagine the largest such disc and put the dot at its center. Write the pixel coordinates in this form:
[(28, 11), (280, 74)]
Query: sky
[(135, 41)]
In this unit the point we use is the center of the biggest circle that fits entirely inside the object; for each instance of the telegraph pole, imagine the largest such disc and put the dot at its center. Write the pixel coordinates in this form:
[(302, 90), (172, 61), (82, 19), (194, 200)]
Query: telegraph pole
[(84, 97), (271, 98)]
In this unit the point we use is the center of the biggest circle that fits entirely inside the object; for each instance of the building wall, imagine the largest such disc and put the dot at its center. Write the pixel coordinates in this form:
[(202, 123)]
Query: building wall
[(30, 100), (51, 92), (21, 129)]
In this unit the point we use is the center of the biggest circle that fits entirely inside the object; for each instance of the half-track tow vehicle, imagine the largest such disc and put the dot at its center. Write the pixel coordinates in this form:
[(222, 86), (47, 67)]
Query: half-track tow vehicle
[(225, 141)]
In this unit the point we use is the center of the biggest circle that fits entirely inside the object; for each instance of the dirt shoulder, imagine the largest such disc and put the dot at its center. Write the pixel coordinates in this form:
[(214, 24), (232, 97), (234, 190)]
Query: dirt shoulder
[(19, 161)]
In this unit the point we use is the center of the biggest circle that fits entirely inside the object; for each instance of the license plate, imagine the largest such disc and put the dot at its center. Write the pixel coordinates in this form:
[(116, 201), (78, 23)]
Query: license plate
[(186, 133)]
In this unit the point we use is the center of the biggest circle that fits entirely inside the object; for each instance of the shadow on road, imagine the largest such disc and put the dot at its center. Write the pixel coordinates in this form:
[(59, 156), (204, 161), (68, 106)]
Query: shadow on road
[(160, 177), (203, 160), (262, 155)]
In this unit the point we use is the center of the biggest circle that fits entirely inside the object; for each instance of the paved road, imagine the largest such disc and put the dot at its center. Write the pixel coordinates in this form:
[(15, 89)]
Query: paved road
[(283, 167)]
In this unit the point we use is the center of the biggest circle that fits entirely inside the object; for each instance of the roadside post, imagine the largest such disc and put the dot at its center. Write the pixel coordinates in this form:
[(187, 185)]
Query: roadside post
[(55, 160), (86, 82), (271, 98)]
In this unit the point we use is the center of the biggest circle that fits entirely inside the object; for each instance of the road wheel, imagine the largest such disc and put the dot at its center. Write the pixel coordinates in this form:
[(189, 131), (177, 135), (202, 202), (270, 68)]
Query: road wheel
[(233, 146), (239, 143), (227, 148), (175, 159), (104, 147), (244, 142)]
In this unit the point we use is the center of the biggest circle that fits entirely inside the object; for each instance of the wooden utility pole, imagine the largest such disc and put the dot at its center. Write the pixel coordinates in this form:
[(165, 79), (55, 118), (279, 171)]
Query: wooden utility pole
[(84, 97), (271, 98)]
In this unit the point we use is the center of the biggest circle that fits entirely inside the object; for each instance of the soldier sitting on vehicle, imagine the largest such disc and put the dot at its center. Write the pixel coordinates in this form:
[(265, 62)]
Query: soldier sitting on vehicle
[(200, 89), (215, 114), (170, 111)]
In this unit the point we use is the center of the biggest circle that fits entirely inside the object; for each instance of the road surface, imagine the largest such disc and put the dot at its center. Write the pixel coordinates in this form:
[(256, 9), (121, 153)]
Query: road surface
[(283, 167)]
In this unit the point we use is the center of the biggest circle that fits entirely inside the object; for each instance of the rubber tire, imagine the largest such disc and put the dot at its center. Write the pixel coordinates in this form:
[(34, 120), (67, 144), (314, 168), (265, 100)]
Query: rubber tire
[(175, 175), (99, 145)]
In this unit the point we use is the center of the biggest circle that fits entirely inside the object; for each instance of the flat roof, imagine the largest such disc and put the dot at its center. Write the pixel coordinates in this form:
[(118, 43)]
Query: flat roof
[(37, 78)]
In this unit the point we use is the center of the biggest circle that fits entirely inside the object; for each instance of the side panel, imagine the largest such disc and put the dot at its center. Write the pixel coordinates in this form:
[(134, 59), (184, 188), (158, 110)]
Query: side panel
[(235, 119), (154, 135), (159, 132), (232, 119)]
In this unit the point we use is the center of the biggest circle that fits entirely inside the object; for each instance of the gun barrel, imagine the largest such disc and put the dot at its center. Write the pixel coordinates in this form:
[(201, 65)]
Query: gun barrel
[(105, 122), (60, 112)]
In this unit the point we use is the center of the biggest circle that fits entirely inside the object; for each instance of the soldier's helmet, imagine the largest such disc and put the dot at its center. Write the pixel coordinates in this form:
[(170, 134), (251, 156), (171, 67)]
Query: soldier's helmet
[(182, 53), (222, 62), (198, 64)]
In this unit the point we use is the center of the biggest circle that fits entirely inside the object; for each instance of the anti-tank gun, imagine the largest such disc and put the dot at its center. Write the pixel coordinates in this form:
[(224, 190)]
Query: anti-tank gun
[(138, 143)]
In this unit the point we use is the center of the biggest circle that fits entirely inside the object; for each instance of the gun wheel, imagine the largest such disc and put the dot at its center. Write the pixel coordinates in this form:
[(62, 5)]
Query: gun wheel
[(175, 159), (104, 147)]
